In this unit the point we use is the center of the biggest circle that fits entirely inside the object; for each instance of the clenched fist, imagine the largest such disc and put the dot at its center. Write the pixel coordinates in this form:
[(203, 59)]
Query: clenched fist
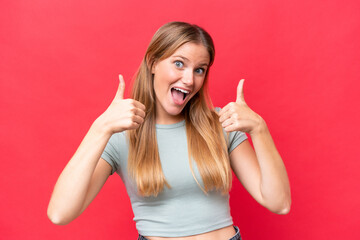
[(123, 114), (237, 116)]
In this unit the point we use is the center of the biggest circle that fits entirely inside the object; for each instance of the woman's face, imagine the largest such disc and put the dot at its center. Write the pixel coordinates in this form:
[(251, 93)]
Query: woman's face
[(177, 79)]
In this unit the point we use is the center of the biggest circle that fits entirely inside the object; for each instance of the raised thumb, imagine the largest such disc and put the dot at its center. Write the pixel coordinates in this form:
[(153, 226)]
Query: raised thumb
[(240, 91), (121, 88)]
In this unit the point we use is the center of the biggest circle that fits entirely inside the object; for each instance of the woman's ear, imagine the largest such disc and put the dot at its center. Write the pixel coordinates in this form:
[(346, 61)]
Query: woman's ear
[(153, 67), (151, 64)]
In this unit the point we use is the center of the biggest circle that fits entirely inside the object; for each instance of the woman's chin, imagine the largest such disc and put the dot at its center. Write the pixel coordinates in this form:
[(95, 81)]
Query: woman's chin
[(174, 113)]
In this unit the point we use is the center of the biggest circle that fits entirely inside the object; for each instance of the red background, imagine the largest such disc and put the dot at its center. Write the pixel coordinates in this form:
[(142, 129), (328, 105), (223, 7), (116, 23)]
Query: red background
[(59, 62)]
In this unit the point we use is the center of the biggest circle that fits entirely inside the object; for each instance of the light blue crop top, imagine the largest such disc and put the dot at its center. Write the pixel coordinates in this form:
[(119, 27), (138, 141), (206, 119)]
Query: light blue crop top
[(183, 210)]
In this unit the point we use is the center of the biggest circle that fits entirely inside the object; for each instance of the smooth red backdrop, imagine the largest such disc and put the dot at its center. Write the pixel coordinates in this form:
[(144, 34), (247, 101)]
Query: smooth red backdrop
[(59, 62)]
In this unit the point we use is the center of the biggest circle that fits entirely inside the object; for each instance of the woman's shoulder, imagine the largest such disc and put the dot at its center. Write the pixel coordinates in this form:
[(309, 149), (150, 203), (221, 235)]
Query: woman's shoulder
[(217, 109), (118, 138)]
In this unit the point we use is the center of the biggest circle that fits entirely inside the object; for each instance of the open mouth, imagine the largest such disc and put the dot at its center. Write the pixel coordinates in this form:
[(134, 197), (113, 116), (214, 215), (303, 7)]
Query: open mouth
[(179, 95)]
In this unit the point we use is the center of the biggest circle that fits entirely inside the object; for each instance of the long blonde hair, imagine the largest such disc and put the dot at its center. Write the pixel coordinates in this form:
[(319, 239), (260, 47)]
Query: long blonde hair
[(206, 142)]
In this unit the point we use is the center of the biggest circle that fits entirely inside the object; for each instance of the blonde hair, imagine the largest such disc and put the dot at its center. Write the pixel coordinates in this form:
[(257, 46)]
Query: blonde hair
[(206, 142)]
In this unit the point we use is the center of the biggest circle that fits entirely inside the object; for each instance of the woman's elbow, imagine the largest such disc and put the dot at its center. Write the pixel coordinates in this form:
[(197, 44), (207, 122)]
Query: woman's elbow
[(279, 206), (283, 208), (283, 211), (57, 218)]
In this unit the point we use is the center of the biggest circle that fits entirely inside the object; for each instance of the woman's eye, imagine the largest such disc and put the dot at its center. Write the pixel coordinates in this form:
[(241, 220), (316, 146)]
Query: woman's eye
[(179, 64), (200, 70)]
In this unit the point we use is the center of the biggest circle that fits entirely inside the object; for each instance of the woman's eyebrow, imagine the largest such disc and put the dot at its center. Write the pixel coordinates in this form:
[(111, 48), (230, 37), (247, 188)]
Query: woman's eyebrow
[(181, 57), (204, 64)]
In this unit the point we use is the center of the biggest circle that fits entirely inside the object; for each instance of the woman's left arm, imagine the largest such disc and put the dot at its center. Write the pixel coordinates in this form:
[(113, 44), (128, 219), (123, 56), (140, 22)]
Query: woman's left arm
[(262, 172)]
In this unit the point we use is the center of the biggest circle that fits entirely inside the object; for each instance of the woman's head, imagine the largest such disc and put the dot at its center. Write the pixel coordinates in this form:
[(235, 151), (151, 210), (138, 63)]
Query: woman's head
[(169, 39)]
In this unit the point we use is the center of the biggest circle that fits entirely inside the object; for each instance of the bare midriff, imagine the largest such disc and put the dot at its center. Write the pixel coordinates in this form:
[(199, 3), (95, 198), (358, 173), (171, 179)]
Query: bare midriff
[(219, 234)]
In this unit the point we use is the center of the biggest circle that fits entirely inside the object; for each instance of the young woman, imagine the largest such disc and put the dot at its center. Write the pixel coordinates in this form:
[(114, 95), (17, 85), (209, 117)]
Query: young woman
[(173, 150)]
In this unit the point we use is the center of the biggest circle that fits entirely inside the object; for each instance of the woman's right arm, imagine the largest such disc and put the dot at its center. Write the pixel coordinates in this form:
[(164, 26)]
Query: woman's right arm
[(86, 172)]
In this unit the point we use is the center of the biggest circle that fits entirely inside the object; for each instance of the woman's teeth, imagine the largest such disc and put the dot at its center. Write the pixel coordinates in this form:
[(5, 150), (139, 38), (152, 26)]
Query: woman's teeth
[(183, 91)]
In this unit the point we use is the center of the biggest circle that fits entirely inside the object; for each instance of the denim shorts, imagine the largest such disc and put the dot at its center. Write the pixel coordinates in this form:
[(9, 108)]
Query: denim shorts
[(237, 235)]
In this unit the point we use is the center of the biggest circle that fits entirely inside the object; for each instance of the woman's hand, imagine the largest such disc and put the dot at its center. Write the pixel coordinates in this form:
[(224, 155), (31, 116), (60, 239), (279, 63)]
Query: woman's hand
[(122, 114), (237, 116)]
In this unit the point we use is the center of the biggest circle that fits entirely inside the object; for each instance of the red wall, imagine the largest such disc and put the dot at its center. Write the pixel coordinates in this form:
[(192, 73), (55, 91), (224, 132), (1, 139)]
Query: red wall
[(59, 62)]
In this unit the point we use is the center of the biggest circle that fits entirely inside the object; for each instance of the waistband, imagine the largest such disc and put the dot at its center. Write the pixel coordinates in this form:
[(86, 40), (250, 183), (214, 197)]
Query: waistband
[(237, 235)]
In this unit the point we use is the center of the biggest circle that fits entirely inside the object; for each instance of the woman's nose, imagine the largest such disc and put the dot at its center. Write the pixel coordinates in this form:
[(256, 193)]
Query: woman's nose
[(188, 77)]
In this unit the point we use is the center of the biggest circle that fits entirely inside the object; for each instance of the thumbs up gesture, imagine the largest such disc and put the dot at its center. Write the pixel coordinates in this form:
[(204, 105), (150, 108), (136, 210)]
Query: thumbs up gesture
[(123, 114), (237, 116)]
